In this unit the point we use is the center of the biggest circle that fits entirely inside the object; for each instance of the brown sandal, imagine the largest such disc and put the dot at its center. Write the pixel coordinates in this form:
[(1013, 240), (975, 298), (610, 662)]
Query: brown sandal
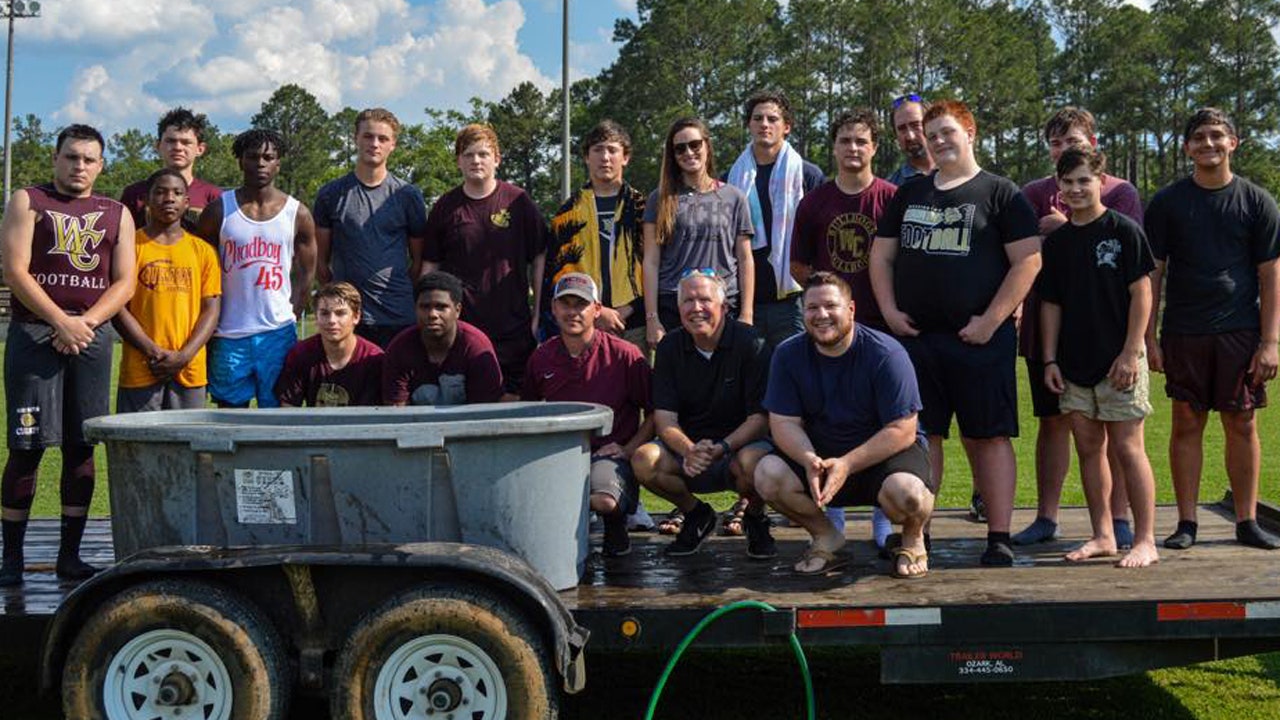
[(671, 524), (732, 523)]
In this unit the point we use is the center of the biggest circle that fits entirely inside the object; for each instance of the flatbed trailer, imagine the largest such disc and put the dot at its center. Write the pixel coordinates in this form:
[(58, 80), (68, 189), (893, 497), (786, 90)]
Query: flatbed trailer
[(1043, 619)]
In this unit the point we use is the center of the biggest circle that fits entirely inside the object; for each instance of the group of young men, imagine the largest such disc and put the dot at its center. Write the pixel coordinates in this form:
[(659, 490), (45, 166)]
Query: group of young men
[(883, 309)]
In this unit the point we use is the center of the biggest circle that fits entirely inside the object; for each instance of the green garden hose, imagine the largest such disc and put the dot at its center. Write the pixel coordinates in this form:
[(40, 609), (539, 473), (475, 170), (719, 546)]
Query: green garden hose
[(702, 625)]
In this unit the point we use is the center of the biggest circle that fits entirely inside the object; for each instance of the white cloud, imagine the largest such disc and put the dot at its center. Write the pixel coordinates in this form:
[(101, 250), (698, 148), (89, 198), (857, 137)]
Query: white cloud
[(230, 56), (627, 6)]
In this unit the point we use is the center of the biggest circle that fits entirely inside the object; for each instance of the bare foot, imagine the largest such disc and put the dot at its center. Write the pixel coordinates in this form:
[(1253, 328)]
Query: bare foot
[(1097, 547), (1142, 555)]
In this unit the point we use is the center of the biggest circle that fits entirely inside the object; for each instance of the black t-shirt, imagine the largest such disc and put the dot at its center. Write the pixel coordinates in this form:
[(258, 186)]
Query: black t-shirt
[(1212, 242), (951, 255), (606, 208), (711, 396), (766, 286), (1087, 271)]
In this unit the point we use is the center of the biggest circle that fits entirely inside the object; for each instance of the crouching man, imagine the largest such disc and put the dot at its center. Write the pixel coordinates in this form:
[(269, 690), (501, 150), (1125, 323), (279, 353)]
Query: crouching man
[(842, 402), (708, 381)]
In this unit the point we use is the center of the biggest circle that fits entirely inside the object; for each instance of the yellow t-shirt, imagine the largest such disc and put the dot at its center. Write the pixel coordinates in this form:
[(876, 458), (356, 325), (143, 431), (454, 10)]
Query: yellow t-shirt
[(172, 279)]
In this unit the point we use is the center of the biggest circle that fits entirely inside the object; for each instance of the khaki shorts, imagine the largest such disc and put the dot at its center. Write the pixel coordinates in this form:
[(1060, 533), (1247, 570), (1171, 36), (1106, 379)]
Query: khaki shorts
[(1104, 403)]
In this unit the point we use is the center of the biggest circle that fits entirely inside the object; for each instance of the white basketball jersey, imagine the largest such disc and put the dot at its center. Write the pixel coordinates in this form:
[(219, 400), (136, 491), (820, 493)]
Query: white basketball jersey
[(256, 257)]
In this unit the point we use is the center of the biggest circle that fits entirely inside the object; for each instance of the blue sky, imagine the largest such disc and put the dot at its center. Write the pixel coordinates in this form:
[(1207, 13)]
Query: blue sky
[(121, 63)]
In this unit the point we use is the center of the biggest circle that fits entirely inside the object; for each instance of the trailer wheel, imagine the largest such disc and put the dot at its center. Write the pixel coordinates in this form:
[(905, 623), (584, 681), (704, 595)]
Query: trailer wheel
[(444, 652), (175, 649)]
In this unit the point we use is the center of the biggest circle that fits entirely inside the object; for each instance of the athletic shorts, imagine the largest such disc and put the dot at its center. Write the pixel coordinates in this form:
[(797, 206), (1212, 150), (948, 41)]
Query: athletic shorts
[(1211, 371), (241, 369), (1044, 403), (863, 488), (975, 383), (718, 477), (1104, 403), (49, 395), (614, 477), (161, 396)]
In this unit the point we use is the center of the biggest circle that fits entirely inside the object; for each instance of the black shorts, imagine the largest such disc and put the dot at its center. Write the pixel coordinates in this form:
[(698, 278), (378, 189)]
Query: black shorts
[(49, 395), (1044, 403), (975, 383), (863, 488), (1211, 371)]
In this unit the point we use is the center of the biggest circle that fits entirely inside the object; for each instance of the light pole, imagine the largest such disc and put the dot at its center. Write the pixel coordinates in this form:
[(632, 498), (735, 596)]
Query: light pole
[(566, 178), (12, 9)]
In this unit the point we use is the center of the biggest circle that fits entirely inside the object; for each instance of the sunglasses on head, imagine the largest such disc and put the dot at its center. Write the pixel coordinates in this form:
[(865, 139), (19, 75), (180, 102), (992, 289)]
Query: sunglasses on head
[(909, 97), (698, 272), (691, 147)]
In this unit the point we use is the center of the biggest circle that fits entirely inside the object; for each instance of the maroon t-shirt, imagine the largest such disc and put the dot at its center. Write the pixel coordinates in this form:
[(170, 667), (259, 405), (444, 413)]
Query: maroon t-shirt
[(1117, 194), (200, 195), (71, 249), (610, 371), (833, 232), (490, 244), (309, 379), (469, 373)]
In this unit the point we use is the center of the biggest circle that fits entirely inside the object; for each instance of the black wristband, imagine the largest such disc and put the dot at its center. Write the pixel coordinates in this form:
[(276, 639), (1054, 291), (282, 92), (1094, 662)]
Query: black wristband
[(725, 444), (1047, 363)]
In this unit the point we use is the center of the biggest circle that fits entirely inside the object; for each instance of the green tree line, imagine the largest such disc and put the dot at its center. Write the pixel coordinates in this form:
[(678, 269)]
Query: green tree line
[(1141, 72)]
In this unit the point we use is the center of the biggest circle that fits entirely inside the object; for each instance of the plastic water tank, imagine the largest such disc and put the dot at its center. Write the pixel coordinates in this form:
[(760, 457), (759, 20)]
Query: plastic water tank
[(512, 476)]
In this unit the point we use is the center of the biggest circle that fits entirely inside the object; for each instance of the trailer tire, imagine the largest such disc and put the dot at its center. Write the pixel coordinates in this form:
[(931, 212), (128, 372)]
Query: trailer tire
[(463, 651), (222, 657)]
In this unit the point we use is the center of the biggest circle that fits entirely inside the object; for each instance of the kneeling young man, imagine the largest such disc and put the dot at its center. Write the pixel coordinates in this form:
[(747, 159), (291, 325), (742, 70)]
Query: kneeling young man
[(586, 364), (708, 381), (842, 404), (1095, 298), (335, 367)]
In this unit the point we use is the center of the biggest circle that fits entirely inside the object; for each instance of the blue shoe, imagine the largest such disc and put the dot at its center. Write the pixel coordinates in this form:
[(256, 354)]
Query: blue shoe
[(1041, 530), (881, 528), (1124, 533)]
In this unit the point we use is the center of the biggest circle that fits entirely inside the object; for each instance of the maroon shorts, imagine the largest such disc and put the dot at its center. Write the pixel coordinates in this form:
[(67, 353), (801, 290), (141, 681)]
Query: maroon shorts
[(1211, 371)]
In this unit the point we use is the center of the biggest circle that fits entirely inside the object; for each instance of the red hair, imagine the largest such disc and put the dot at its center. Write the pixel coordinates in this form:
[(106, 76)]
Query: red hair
[(955, 109)]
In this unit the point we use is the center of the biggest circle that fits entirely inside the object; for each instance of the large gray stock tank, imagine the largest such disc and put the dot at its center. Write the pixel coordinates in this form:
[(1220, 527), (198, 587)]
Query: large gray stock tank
[(512, 476)]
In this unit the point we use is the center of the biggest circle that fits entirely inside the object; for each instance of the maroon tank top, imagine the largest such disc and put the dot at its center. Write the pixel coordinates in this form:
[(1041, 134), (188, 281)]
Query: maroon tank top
[(70, 249)]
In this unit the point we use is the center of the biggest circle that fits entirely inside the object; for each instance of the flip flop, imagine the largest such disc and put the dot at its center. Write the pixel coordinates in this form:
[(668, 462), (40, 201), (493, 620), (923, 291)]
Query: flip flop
[(672, 523), (830, 561), (912, 558), (732, 519)]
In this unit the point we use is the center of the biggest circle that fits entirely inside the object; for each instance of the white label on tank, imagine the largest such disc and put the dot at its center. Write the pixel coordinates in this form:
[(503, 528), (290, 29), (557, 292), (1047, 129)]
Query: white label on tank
[(265, 497)]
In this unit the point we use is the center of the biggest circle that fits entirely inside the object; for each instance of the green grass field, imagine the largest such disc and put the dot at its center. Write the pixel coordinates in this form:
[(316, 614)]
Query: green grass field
[(847, 682), (956, 483)]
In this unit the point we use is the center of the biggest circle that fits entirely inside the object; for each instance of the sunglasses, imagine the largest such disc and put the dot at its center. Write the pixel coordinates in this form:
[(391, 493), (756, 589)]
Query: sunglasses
[(692, 147), (698, 272), (909, 97)]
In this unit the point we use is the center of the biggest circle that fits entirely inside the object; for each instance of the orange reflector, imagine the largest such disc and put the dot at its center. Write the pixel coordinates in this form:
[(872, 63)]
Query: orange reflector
[(630, 628), (1171, 612), (849, 617)]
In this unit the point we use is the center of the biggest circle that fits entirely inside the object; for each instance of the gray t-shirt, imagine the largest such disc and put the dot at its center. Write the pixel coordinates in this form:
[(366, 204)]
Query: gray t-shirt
[(707, 226), (371, 227)]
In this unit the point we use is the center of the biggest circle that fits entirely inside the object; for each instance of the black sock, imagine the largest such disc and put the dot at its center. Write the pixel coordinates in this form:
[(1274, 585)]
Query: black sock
[(72, 532), (997, 537), (14, 532), (1183, 537), (1248, 532)]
